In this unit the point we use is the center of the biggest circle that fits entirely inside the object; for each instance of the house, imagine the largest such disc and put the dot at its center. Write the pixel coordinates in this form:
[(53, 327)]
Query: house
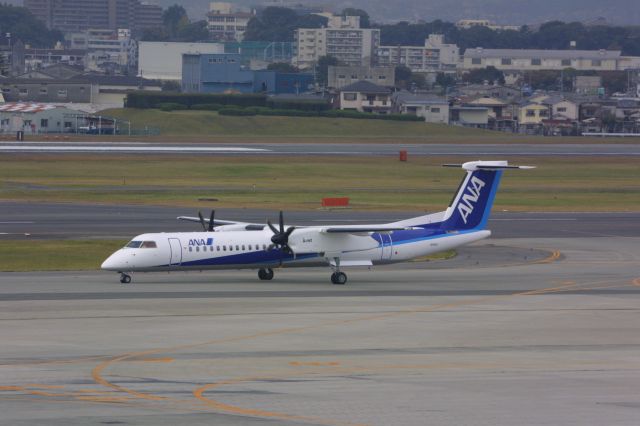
[(508, 93), (530, 116), (501, 114), (561, 108), (364, 96), (433, 109)]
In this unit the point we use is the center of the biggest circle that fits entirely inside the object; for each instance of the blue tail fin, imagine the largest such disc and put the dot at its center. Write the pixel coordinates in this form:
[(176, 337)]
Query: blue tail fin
[(472, 204)]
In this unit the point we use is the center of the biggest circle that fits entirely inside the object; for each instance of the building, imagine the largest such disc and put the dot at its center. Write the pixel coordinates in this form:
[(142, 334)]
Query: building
[(225, 23), (80, 89), (343, 39), (224, 73), (588, 85), (364, 96), (502, 115), (432, 108), (161, 60), (535, 59), (435, 55), (530, 117), (82, 15), (107, 50), (38, 118), (340, 76), (261, 52), (469, 116), (471, 23)]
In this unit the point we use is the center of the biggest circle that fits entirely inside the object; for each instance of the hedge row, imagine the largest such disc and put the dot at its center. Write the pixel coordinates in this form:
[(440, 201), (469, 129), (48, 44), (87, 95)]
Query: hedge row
[(332, 113), (146, 99)]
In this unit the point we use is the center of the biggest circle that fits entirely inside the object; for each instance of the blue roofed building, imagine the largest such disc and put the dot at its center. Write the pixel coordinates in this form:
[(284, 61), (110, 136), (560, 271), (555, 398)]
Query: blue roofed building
[(225, 73)]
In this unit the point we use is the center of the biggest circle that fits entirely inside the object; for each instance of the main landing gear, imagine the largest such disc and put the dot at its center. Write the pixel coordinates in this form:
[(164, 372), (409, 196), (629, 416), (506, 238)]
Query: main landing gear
[(339, 278), (265, 274), (125, 278)]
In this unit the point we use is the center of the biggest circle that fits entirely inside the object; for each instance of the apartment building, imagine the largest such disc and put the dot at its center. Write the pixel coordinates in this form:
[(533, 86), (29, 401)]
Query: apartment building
[(225, 23), (82, 15), (435, 55), (536, 59), (340, 76), (106, 48), (343, 39)]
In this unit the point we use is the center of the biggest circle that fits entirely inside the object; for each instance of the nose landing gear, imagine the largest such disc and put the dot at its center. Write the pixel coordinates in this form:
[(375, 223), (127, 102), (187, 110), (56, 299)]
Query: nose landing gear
[(125, 278)]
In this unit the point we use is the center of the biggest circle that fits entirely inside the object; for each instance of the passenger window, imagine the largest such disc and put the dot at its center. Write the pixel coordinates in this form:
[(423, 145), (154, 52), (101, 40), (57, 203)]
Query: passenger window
[(243, 249), (249, 247), (190, 248), (197, 248), (237, 248), (217, 248), (230, 248), (224, 248), (264, 247), (210, 248)]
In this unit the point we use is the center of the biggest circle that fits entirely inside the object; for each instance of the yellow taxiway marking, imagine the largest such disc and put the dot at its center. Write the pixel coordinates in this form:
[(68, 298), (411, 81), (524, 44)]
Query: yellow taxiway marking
[(98, 371)]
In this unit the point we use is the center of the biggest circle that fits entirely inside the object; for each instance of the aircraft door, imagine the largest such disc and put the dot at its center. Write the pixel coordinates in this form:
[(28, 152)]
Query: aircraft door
[(176, 252), (386, 246)]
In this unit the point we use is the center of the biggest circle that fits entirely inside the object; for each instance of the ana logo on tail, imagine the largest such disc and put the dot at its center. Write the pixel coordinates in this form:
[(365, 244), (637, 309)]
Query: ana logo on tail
[(467, 203)]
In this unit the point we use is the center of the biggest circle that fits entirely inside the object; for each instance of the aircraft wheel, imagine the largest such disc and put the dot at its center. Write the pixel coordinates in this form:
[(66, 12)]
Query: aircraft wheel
[(125, 279), (265, 274), (339, 278)]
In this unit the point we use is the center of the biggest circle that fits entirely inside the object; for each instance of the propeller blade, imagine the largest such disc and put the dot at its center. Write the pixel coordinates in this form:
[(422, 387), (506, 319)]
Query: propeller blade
[(211, 221), (273, 228), (204, 226), (281, 222), (289, 231)]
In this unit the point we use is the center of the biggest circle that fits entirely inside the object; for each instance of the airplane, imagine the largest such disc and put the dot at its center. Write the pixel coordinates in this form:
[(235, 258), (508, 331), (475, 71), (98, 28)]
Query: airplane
[(239, 245)]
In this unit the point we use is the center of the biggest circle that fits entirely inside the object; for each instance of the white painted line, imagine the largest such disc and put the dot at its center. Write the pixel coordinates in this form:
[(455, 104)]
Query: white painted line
[(128, 149), (17, 221), (540, 219)]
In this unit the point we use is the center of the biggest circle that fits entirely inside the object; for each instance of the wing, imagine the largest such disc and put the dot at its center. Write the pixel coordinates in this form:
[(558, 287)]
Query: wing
[(359, 229), (217, 222)]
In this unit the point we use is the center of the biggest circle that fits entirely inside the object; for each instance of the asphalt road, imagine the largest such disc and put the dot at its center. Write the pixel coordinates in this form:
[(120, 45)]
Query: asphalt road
[(44, 220), (342, 149), (491, 338)]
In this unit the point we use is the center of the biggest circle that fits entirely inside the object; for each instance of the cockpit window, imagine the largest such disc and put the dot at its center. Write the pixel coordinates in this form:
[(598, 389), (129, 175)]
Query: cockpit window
[(141, 244)]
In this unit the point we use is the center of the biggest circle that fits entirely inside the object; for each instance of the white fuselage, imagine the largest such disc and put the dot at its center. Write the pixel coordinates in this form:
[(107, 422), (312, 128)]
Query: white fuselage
[(254, 250)]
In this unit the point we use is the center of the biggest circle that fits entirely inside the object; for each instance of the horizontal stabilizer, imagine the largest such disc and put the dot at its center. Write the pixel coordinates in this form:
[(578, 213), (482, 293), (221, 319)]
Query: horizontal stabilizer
[(487, 165)]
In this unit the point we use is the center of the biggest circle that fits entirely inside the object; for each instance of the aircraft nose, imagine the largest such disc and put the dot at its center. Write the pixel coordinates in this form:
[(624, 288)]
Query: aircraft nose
[(113, 263)]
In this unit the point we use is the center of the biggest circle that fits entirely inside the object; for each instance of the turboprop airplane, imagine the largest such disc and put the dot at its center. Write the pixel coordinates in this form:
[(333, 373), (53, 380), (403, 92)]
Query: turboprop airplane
[(240, 245)]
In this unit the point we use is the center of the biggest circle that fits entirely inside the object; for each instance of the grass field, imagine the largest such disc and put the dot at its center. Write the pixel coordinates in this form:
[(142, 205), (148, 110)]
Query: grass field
[(372, 183), (209, 123), (55, 255)]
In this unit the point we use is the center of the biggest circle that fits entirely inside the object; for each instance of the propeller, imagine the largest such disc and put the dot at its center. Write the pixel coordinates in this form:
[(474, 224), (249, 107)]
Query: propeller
[(211, 221), (280, 236)]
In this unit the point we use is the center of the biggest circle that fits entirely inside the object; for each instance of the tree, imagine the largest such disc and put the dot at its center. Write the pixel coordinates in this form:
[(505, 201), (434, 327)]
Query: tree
[(365, 21), (22, 25), (323, 68), (172, 17), (283, 67), (193, 31), (403, 76), (279, 24), (480, 75), (445, 80), (171, 86)]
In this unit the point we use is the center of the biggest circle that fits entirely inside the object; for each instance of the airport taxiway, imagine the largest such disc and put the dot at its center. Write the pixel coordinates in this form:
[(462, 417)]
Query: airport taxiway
[(528, 331), (325, 148)]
